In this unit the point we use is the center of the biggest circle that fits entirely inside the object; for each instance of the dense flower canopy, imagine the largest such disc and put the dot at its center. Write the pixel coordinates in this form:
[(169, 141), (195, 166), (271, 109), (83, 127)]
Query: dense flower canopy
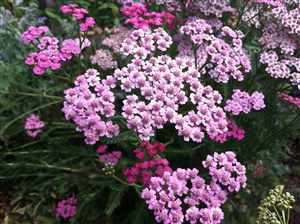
[(164, 85)]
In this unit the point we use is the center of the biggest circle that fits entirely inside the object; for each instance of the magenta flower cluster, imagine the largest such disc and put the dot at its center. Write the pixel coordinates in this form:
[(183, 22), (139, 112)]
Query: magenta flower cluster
[(66, 209), (33, 33), (48, 56), (111, 158), (89, 104), (221, 55), (79, 14), (182, 196), (34, 125), (140, 17), (234, 131), (241, 101), (51, 53), (290, 99), (150, 163)]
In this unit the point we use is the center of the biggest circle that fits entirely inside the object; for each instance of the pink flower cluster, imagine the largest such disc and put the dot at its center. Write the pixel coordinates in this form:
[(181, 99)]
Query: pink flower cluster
[(33, 125), (288, 17), (171, 5), (116, 37), (221, 55), (275, 38), (89, 104), (140, 17), (143, 42), (161, 81), (33, 33), (79, 14), (270, 2), (111, 158), (234, 131), (284, 67), (290, 99), (207, 7), (225, 170), (241, 101), (251, 16), (182, 196), (150, 163), (212, 7), (129, 2), (104, 59), (280, 65), (66, 209)]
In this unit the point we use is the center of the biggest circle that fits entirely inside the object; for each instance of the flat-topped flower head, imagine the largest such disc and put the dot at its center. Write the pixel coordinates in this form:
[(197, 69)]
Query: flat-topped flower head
[(182, 196), (220, 52), (89, 104), (241, 101)]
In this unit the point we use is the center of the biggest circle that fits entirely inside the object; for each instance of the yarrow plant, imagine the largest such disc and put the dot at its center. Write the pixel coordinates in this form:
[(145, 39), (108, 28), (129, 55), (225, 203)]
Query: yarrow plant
[(111, 158), (140, 17), (151, 94), (182, 196), (276, 207), (34, 125), (51, 52), (104, 59), (160, 81), (290, 99), (279, 41), (89, 109), (221, 56), (234, 131), (66, 208), (150, 163), (270, 2), (79, 14), (243, 102)]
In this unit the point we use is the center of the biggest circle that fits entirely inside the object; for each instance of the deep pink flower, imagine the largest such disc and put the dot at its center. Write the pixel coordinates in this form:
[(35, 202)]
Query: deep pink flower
[(66, 209), (34, 125)]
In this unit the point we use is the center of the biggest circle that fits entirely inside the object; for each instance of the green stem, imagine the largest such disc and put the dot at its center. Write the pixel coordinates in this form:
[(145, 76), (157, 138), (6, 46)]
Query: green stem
[(125, 183), (241, 14), (278, 215), (63, 78), (283, 217), (288, 216), (45, 166), (44, 95), (27, 145)]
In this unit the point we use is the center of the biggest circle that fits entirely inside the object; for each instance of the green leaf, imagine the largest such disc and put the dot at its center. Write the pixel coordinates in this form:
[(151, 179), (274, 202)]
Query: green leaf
[(114, 201), (52, 15)]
